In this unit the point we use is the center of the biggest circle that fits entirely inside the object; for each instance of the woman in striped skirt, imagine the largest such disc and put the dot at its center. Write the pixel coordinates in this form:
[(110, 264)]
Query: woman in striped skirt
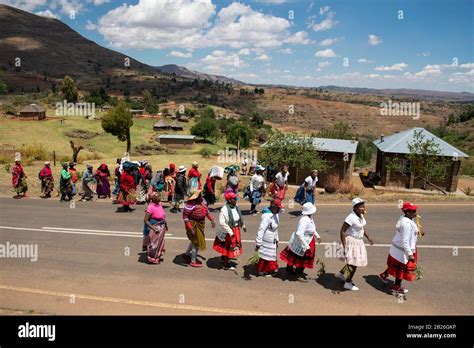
[(194, 216), (267, 239), (228, 240)]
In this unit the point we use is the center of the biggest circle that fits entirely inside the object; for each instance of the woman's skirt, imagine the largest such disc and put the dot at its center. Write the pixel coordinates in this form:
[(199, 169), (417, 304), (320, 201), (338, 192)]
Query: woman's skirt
[(400, 270), (22, 186), (230, 247), (47, 186), (142, 193), (127, 197), (103, 187), (355, 252), (210, 198), (305, 261), (265, 266), (198, 239), (303, 196), (256, 197), (277, 192), (116, 187), (88, 193), (155, 241)]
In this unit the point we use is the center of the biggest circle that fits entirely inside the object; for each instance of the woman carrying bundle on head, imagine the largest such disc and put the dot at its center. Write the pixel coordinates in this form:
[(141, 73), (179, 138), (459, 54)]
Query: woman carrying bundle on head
[(19, 179), (257, 189), (194, 216), (127, 195), (154, 230), (47, 180), (232, 184), (228, 240)]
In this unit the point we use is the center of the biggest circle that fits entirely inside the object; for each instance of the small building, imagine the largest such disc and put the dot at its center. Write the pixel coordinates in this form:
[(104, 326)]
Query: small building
[(183, 118), (161, 125), (340, 155), (177, 140), (33, 111), (137, 112), (395, 147), (176, 126)]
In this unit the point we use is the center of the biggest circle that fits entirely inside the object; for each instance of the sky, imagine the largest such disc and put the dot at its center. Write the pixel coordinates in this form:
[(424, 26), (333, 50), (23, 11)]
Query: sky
[(420, 44)]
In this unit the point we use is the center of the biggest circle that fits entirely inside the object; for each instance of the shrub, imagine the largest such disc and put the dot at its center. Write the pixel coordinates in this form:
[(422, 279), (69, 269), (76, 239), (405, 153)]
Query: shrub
[(34, 152), (206, 152), (332, 184), (467, 190)]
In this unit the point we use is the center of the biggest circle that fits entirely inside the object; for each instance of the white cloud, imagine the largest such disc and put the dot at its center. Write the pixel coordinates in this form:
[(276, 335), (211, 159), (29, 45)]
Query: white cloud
[(47, 13), (244, 52), (263, 57), (99, 2), (323, 10), (394, 67), (220, 60), (467, 66), (374, 40), (327, 53), (329, 42), (195, 24), (27, 5), (324, 25), (423, 54), (364, 61), (90, 25), (286, 51), (67, 7), (181, 54), (324, 64)]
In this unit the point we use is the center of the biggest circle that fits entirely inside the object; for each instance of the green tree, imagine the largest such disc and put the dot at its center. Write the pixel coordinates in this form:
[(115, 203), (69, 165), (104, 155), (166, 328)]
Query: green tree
[(149, 102), (3, 86), (118, 122), (257, 119), (240, 135), (208, 112), (69, 89), (340, 130), (294, 150), (206, 128)]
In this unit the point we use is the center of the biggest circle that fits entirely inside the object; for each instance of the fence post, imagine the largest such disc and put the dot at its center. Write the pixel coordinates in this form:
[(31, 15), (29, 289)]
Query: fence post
[(54, 157)]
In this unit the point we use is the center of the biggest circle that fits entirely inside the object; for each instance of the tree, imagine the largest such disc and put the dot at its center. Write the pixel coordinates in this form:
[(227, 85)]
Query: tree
[(257, 119), (69, 89), (340, 130), (118, 122), (424, 161), (294, 150), (206, 128), (240, 135), (75, 151), (3, 86), (149, 102), (208, 112)]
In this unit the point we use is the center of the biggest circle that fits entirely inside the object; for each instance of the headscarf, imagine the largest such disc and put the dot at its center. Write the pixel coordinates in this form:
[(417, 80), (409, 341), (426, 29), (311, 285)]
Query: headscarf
[(230, 195)]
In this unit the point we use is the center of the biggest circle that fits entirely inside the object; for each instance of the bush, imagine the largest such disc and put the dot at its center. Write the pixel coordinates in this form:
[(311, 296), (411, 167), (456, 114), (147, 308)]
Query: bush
[(81, 134), (206, 152), (345, 187), (332, 184), (34, 152), (467, 190)]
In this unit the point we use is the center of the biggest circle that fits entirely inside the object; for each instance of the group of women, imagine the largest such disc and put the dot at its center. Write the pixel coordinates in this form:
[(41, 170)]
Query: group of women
[(135, 183)]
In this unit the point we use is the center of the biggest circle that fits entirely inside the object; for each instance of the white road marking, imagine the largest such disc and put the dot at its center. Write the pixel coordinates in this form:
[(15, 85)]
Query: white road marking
[(139, 235), (136, 302)]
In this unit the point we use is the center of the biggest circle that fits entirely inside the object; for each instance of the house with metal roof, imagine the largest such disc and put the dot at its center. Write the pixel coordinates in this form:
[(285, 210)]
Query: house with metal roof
[(396, 148), (177, 140), (340, 155), (161, 124)]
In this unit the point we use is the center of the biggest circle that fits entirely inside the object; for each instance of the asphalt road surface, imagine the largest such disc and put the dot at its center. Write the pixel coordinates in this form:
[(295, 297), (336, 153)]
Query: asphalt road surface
[(90, 262)]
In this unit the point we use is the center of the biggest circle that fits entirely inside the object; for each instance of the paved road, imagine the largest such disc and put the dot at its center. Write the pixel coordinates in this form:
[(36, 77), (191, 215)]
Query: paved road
[(84, 267)]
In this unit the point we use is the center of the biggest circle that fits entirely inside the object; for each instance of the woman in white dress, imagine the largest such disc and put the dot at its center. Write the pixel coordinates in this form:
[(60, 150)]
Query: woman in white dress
[(301, 248), (353, 231), (402, 259), (267, 239)]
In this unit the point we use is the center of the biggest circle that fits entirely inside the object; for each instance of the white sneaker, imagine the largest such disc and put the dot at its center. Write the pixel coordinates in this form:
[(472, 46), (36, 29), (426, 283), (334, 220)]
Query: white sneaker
[(350, 286), (341, 277)]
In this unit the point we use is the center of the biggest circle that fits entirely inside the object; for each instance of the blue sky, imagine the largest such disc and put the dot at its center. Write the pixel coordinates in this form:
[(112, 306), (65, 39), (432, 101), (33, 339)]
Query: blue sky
[(363, 43)]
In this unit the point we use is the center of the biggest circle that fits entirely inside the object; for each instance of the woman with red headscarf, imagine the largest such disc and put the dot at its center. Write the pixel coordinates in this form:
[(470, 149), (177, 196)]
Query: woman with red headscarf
[(402, 259), (102, 175), (19, 180), (228, 240)]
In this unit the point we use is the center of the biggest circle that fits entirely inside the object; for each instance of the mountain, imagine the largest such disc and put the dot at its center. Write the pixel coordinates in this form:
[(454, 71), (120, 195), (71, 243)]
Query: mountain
[(192, 74), (406, 93)]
